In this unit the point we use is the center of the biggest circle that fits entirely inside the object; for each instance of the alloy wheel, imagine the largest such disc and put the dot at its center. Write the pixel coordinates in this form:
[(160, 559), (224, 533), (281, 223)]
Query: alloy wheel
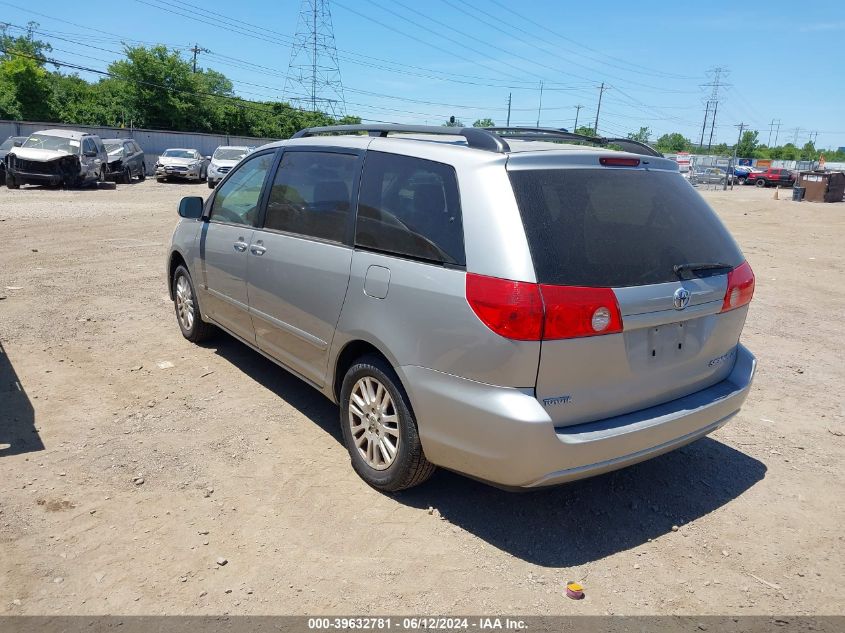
[(374, 423)]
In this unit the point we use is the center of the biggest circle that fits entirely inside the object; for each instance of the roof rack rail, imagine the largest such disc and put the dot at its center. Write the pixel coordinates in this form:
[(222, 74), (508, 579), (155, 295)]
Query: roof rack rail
[(476, 137), (491, 139), (562, 134)]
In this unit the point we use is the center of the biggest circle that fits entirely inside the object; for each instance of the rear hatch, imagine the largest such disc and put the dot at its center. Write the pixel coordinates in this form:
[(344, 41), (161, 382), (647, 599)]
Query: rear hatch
[(627, 229)]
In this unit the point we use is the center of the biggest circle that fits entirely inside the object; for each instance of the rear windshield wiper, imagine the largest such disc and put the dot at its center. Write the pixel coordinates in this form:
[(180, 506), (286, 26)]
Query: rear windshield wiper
[(692, 267)]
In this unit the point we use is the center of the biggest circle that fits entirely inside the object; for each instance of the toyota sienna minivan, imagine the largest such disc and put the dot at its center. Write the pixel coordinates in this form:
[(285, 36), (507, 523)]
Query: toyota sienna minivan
[(526, 307)]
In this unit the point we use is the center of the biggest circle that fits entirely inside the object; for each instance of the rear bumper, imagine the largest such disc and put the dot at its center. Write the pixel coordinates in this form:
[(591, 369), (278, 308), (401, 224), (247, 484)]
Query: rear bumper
[(504, 436)]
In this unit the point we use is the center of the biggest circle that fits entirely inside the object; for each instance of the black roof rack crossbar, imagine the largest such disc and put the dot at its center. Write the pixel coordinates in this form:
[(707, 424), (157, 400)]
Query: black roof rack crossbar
[(554, 134), (492, 139), (476, 137)]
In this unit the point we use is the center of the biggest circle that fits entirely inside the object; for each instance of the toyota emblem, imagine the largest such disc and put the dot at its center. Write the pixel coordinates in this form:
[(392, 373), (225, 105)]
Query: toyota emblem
[(681, 298)]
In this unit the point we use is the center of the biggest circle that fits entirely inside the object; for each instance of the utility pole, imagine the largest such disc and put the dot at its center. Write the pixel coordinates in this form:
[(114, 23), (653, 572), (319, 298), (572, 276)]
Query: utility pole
[(510, 95), (732, 165), (772, 127), (598, 108), (577, 112), (196, 50), (540, 105), (777, 133)]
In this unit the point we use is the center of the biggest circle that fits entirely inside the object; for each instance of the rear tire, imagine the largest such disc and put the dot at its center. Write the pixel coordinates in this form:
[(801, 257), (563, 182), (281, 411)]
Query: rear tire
[(379, 429), (11, 182), (210, 184), (760, 183), (741, 180), (142, 176), (187, 307)]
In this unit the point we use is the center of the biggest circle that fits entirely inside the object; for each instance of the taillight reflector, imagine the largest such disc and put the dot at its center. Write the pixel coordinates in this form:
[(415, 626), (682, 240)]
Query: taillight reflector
[(613, 161), (740, 287), (530, 312)]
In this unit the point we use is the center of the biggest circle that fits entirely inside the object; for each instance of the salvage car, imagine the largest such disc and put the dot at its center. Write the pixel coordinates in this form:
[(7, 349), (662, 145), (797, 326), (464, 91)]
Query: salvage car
[(525, 312), (57, 157), (224, 158), (126, 159), (187, 164), (5, 148)]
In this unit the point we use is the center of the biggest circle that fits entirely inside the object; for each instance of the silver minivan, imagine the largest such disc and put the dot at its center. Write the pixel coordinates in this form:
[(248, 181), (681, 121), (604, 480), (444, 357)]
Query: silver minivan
[(527, 307)]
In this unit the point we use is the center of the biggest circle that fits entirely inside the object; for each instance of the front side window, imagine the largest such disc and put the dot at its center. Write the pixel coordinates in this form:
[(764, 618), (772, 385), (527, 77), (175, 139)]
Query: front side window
[(128, 149), (312, 194), (410, 207), (88, 146), (236, 200)]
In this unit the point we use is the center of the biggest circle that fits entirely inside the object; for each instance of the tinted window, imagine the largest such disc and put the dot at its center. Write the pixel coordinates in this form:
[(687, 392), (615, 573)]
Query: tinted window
[(611, 227), (88, 145), (312, 194), (410, 207), (236, 200)]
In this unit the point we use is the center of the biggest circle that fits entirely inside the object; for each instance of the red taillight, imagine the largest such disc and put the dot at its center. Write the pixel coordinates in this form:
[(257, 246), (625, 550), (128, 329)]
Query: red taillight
[(512, 309), (529, 312), (572, 311), (740, 287), (613, 161)]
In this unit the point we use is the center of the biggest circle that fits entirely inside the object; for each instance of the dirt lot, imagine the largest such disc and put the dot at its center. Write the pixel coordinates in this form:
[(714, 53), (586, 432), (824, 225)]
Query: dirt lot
[(243, 462)]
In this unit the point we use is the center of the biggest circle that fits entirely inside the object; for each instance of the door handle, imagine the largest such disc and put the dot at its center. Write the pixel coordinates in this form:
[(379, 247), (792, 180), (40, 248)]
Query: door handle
[(240, 246), (255, 249)]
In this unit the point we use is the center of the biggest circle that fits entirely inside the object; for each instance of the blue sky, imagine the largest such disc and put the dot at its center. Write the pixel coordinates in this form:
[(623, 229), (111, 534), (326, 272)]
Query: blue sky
[(407, 61)]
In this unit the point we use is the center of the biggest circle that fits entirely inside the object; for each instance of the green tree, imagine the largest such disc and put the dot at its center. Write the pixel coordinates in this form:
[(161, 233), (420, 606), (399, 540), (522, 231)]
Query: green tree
[(484, 123), (789, 152), (674, 142), (585, 131), (642, 135), (453, 122), (747, 146), (25, 83), (721, 149), (808, 152)]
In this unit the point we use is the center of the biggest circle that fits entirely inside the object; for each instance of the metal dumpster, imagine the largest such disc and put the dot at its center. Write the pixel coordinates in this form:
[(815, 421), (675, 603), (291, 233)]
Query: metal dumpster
[(822, 186)]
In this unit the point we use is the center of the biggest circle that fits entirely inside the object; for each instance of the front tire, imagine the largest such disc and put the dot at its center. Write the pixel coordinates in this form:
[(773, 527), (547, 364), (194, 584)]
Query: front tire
[(379, 429), (211, 184), (127, 175), (741, 180), (187, 308), (11, 182)]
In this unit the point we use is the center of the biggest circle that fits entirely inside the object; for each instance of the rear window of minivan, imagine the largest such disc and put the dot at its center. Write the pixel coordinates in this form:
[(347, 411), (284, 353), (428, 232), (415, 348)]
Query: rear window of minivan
[(614, 228)]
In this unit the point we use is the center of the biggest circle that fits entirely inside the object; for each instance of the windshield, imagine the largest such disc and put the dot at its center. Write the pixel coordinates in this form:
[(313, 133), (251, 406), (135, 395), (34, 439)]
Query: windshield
[(113, 146), (179, 153), (229, 153), (614, 228), (56, 143)]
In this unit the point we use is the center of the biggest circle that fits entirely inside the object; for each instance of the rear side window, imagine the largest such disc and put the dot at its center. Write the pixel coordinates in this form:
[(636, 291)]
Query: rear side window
[(312, 194), (616, 228), (410, 207)]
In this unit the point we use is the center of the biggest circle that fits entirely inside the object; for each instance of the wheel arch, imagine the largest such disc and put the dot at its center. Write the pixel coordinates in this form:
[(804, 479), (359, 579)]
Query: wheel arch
[(176, 260), (349, 353)]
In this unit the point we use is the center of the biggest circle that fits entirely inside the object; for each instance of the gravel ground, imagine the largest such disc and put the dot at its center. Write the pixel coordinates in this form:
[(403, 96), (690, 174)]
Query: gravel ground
[(133, 464)]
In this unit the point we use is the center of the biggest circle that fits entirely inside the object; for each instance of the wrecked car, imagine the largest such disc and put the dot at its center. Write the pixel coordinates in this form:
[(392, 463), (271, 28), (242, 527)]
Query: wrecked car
[(5, 148), (126, 160), (57, 157), (187, 164)]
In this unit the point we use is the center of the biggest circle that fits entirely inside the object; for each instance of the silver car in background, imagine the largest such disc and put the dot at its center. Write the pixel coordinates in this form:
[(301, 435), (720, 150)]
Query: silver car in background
[(522, 311), (186, 164), (222, 160)]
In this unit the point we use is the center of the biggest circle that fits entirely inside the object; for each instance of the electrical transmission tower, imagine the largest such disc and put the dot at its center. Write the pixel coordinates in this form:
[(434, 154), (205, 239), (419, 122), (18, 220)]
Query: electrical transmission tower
[(313, 80), (717, 82)]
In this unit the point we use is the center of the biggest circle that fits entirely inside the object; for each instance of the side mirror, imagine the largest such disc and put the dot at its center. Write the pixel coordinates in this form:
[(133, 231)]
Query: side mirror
[(190, 208), (17, 143), (207, 157)]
